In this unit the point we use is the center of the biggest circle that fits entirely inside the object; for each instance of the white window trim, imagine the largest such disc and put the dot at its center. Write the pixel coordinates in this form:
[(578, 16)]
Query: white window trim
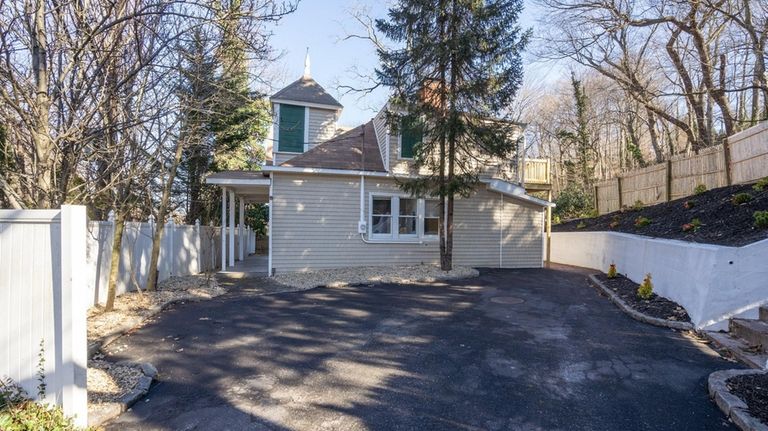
[(394, 235)]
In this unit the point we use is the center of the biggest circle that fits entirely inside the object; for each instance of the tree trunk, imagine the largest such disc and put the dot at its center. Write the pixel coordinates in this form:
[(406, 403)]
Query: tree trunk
[(654, 134), (114, 266), (41, 136), (162, 212)]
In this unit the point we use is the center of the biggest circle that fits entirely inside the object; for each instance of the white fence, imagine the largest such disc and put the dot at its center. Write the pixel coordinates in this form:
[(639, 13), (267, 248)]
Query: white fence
[(184, 250), (42, 314), (54, 264)]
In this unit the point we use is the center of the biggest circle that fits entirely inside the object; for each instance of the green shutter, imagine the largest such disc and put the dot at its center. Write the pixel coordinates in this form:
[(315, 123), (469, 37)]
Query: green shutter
[(292, 125), (410, 136)]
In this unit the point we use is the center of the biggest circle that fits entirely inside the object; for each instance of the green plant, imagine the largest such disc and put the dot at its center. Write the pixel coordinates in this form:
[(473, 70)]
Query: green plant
[(701, 188), (592, 214), (693, 226), (741, 198), (19, 413), (642, 221), (611, 271), (689, 204), (581, 225), (572, 202), (761, 185), (645, 291), (761, 219), (556, 219), (614, 222), (638, 205)]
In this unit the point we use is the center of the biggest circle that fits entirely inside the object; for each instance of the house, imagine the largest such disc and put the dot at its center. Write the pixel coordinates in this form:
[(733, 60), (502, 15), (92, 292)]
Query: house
[(335, 201)]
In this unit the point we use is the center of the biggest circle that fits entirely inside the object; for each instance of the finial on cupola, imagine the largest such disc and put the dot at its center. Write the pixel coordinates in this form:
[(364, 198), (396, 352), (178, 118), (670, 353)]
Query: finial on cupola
[(307, 75)]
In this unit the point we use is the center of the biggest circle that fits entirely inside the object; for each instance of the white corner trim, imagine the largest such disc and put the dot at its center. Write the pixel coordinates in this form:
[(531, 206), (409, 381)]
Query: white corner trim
[(307, 104), (238, 182), (325, 171), (306, 128)]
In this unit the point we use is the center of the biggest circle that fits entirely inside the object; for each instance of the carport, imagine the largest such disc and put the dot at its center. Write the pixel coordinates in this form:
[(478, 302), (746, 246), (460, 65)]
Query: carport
[(242, 187)]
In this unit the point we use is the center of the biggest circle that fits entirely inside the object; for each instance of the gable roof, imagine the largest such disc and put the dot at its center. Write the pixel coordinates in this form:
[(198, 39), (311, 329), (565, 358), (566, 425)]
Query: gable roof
[(306, 90), (356, 149)]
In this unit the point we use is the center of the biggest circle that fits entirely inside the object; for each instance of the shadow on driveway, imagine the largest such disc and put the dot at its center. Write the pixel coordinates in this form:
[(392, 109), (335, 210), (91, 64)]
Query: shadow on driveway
[(533, 349)]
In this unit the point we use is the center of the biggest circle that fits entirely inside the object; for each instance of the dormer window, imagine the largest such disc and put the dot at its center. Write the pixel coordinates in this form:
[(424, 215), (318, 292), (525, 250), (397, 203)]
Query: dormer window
[(292, 128), (411, 135)]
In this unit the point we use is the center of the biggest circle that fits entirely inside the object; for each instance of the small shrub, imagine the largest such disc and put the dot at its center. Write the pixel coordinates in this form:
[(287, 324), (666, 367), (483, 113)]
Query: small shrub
[(19, 413), (645, 291), (689, 204), (761, 219), (638, 205), (612, 271), (581, 225), (556, 219), (693, 226), (701, 188), (572, 202), (642, 221), (614, 222), (761, 185), (592, 214), (741, 198)]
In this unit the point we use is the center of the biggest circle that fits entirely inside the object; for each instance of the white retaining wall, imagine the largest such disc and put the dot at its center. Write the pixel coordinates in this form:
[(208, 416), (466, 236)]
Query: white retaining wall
[(712, 282), (42, 282)]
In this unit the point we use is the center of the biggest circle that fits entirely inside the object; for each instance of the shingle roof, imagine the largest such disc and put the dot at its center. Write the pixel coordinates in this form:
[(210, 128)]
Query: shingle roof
[(239, 175), (356, 149), (306, 90)]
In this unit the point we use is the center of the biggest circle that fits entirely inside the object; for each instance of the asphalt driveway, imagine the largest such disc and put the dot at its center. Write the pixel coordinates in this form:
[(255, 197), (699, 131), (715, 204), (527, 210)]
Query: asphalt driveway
[(511, 350)]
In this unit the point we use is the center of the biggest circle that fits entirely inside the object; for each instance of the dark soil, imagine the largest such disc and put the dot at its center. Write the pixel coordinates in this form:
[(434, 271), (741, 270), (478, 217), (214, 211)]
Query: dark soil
[(753, 390), (723, 222), (657, 306)]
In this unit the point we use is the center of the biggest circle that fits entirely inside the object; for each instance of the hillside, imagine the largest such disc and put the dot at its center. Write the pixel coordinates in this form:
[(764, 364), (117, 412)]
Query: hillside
[(722, 221)]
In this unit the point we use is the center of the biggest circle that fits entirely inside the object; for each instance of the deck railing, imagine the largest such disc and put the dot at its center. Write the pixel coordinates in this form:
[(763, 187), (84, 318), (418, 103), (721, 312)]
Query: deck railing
[(536, 171)]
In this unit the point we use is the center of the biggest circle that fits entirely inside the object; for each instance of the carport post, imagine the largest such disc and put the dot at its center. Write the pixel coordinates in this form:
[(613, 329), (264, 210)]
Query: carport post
[(241, 225), (223, 228), (231, 228)]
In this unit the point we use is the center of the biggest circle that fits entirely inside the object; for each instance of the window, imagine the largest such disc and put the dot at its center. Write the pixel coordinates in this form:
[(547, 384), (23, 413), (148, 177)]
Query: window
[(410, 136), (431, 217), (407, 217), (402, 218), (381, 216), (291, 133)]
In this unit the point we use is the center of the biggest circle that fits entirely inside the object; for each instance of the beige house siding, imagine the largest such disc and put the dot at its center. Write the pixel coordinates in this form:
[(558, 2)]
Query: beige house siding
[(322, 125), (314, 226), (485, 219)]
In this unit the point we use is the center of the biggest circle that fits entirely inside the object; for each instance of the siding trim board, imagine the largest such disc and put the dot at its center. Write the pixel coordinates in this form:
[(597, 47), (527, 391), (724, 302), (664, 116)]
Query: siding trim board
[(314, 221)]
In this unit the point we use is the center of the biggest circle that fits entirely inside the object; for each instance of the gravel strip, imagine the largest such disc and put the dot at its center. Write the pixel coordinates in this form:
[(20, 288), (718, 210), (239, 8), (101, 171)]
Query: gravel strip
[(108, 382), (401, 274), (133, 307)]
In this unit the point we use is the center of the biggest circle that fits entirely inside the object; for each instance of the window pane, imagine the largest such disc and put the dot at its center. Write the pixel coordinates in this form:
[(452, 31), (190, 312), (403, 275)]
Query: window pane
[(407, 225), (430, 226), (381, 224), (407, 207), (382, 206), (410, 136), (432, 208), (291, 121)]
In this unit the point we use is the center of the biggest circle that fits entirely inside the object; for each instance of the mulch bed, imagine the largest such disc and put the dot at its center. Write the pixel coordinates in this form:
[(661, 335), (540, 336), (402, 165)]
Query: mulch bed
[(753, 390), (657, 306), (723, 223)]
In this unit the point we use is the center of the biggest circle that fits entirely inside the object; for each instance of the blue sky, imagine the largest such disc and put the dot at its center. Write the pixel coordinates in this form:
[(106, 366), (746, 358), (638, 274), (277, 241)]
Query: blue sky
[(321, 25)]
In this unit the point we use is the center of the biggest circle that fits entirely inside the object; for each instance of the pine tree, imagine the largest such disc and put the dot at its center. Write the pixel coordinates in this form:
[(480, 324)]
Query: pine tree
[(456, 70)]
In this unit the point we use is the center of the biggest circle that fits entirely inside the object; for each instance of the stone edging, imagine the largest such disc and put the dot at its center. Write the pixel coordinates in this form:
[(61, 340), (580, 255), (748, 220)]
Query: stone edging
[(107, 411), (730, 404), (683, 326), (130, 325)]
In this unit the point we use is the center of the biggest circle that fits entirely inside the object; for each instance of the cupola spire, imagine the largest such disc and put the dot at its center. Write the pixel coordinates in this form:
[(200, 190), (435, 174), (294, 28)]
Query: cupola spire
[(307, 73)]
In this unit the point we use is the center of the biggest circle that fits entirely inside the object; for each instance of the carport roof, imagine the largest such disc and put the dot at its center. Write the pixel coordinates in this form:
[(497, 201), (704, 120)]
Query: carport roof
[(252, 186)]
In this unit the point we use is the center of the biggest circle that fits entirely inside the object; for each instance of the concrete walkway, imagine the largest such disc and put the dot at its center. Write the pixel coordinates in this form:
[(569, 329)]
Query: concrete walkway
[(511, 350)]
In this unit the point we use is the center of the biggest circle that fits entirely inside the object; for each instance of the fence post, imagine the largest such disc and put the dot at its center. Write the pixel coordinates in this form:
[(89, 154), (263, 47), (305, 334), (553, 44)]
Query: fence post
[(72, 332), (597, 199), (170, 255), (668, 181), (727, 161), (199, 246)]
